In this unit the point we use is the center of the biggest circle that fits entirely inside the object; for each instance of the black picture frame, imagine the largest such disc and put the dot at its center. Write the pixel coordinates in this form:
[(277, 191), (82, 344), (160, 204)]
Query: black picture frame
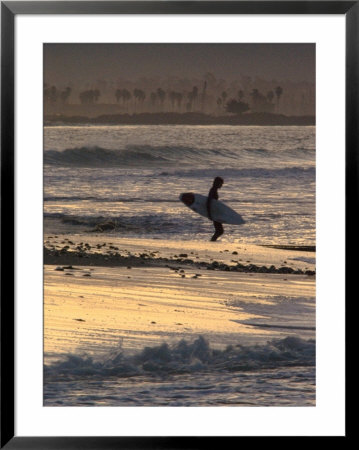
[(9, 9)]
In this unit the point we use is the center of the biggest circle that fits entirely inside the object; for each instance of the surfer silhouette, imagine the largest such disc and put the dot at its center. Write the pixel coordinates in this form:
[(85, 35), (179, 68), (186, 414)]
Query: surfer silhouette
[(213, 194)]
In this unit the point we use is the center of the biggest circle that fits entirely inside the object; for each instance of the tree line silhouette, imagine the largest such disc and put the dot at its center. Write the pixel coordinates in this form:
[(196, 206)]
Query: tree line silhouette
[(160, 100), (53, 95)]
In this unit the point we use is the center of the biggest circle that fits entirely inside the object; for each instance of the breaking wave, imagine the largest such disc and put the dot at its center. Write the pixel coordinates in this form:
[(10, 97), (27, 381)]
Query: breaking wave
[(148, 223), (55, 198), (142, 155), (157, 156), (187, 357)]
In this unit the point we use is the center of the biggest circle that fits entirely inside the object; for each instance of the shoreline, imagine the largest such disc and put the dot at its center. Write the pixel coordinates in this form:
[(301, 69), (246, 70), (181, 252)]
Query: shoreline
[(254, 119), (83, 258), (113, 251), (295, 248)]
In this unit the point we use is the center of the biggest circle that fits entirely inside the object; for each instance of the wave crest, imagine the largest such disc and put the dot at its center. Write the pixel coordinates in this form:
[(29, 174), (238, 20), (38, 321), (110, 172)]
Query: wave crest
[(100, 157), (158, 156), (188, 357)]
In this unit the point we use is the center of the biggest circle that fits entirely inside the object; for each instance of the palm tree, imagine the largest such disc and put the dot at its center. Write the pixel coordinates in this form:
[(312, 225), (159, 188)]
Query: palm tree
[(89, 97), (190, 102), (153, 99), (141, 96), (172, 96), (50, 93), (161, 95), (53, 94), (219, 103), (179, 98), (86, 97), (254, 94), (118, 95), (240, 95), (260, 103), (270, 96), (65, 94), (194, 94), (126, 96), (96, 95), (204, 94), (224, 96), (135, 95), (278, 93)]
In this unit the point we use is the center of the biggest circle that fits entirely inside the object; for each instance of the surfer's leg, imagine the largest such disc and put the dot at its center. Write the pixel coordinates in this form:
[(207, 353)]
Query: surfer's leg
[(219, 231)]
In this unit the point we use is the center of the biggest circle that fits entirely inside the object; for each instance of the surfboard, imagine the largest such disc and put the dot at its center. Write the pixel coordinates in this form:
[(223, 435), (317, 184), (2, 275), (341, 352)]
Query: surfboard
[(219, 211)]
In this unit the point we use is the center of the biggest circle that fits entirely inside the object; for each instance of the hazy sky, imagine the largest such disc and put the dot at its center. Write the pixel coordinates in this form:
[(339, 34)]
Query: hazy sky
[(86, 62)]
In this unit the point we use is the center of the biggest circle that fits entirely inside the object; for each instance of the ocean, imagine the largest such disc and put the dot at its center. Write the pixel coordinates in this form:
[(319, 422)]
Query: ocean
[(250, 338), (133, 176), (279, 373)]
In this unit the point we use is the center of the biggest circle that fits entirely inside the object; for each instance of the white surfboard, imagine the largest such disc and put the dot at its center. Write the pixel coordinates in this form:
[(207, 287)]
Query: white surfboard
[(219, 211)]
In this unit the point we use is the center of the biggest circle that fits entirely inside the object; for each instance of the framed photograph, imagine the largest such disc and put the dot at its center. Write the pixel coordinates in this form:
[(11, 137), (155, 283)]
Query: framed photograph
[(177, 179)]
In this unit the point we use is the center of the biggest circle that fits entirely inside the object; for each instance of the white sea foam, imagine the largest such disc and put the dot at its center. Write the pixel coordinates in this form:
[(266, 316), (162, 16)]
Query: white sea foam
[(281, 372), (187, 357)]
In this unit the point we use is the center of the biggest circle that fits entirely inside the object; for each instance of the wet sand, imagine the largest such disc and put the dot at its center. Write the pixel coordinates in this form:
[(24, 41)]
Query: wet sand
[(104, 292), (112, 251)]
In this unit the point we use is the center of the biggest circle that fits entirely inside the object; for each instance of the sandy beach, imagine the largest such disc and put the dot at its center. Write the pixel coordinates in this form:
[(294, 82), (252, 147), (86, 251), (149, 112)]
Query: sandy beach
[(143, 291), (106, 296)]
